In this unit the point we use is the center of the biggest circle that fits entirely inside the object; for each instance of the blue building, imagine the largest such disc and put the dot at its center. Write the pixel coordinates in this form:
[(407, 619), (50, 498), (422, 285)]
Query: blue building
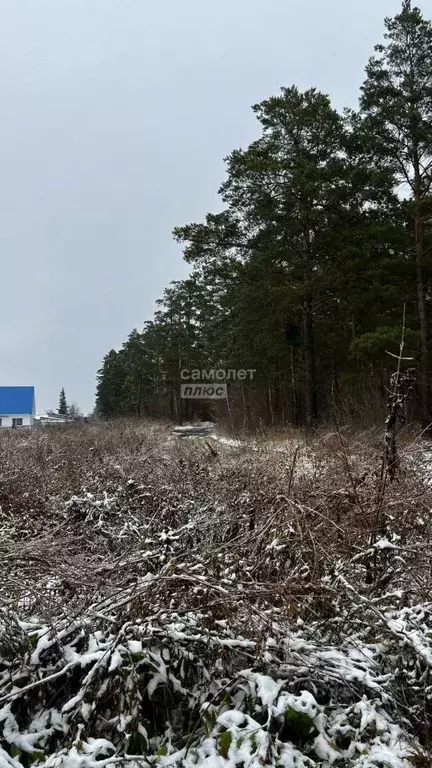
[(17, 406)]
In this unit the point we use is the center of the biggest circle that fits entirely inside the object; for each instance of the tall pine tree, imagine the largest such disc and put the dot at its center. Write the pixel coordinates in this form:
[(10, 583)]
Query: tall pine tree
[(304, 274), (396, 104)]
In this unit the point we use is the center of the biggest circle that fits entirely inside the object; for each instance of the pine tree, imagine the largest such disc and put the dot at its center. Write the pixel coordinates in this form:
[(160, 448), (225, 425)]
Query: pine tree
[(396, 104), (110, 379), (293, 200), (63, 407), (303, 275)]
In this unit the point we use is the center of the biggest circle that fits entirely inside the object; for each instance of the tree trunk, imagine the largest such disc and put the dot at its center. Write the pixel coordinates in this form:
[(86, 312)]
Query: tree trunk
[(139, 398), (294, 409), (421, 308), (270, 401), (172, 412), (311, 406), (421, 297), (244, 408)]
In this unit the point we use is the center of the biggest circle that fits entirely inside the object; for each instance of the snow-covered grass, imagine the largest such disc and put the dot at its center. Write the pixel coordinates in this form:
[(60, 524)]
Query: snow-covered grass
[(198, 603)]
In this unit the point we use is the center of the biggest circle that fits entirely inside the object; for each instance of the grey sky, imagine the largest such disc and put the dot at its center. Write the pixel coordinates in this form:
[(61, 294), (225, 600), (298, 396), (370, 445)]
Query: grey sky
[(114, 119)]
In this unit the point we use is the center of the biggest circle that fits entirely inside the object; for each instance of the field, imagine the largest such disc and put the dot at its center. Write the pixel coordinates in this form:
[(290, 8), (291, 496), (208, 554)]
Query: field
[(207, 602)]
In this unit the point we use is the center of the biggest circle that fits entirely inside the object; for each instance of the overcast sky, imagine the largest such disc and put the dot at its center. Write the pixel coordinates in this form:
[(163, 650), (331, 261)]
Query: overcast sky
[(114, 119)]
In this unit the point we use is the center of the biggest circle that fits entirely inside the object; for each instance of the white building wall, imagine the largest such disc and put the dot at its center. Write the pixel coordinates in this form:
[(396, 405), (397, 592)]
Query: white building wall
[(27, 419)]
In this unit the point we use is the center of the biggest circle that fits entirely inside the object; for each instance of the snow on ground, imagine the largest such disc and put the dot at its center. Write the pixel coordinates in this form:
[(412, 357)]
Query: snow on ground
[(163, 604), (420, 460), (231, 442)]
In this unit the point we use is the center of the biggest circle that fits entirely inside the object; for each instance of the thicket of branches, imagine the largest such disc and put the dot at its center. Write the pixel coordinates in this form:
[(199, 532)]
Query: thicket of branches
[(166, 603), (324, 235)]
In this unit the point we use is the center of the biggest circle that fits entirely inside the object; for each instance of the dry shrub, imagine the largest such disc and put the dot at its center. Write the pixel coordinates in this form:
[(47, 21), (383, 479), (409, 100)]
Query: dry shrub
[(114, 525), (79, 500)]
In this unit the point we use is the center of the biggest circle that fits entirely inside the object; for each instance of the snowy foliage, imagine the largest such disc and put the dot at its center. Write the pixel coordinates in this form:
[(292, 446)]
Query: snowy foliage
[(163, 603)]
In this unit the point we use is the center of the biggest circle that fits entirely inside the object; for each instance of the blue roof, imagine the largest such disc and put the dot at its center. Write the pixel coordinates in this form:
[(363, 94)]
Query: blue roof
[(16, 400)]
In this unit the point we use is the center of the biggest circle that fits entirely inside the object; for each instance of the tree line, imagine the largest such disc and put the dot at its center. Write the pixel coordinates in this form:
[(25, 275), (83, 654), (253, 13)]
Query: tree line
[(323, 243)]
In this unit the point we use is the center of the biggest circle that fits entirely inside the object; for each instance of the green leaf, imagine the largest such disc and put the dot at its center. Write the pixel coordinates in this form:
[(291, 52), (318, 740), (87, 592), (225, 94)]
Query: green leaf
[(224, 743)]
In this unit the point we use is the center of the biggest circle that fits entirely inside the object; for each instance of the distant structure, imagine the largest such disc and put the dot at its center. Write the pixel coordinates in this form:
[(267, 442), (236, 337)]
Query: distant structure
[(51, 418), (17, 406)]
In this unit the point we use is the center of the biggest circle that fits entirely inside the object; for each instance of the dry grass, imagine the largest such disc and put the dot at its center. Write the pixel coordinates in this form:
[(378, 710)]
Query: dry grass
[(123, 525), (94, 508)]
